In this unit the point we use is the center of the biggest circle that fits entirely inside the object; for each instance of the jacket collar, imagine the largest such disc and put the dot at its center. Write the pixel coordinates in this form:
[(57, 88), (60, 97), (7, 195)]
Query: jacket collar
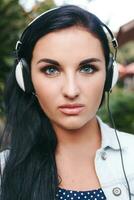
[(108, 134)]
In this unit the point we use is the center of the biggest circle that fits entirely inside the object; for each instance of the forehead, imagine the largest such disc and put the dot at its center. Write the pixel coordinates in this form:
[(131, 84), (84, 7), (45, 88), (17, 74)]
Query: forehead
[(76, 40)]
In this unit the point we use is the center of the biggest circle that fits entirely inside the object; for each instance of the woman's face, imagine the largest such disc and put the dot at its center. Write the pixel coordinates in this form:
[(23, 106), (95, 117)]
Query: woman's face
[(68, 74)]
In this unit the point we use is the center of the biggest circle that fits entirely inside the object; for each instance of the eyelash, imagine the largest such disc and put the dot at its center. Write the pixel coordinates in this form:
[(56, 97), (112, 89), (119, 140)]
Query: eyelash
[(56, 71), (46, 68), (92, 68)]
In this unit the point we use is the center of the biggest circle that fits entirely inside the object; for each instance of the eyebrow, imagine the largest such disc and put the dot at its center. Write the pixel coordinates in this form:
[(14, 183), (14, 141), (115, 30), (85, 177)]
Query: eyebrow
[(54, 62)]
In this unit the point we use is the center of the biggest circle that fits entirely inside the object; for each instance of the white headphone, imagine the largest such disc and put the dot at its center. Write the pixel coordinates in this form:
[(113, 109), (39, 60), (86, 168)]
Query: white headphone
[(115, 74), (19, 75)]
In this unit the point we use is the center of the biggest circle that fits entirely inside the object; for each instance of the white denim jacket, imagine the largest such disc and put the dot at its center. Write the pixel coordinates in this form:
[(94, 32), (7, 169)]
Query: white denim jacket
[(108, 163)]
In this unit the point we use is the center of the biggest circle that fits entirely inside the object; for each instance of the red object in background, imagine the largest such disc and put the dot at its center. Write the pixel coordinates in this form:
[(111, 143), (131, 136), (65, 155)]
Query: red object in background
[(130, 69), (122, 70), (125, 70)]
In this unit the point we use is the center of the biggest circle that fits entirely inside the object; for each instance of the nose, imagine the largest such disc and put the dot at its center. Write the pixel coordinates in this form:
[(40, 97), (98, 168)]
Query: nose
[(70, 87)]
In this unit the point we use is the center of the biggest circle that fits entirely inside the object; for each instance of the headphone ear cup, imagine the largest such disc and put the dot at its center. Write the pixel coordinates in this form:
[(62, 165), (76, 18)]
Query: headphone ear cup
[(111, 75), (115, 74), (22, 75), (19, 75)]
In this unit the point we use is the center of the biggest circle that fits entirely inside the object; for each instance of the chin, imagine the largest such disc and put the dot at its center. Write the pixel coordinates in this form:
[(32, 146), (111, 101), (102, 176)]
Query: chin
[(72, 127), (73, 124)]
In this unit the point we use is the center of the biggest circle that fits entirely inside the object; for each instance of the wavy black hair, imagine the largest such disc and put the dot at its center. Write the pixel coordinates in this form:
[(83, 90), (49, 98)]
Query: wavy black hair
[(30, 172)]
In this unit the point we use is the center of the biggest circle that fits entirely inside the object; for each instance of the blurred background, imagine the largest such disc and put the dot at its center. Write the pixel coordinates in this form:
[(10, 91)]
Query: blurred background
[(118, 15)]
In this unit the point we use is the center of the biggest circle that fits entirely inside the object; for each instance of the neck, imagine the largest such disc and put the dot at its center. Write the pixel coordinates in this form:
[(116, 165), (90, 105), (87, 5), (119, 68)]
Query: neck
[(85, 140)]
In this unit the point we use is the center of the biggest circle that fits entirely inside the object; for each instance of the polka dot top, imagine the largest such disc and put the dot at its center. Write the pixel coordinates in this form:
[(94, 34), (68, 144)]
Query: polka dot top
[(64, 194)]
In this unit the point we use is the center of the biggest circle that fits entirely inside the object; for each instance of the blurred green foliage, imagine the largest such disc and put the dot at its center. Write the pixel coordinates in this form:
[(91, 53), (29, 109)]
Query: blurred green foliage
[(13, 21), (126, 53), (122, 109), (42, 6)]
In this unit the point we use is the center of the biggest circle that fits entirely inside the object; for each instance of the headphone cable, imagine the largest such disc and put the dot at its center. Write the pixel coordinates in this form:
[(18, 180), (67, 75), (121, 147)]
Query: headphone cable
[(121, 155)]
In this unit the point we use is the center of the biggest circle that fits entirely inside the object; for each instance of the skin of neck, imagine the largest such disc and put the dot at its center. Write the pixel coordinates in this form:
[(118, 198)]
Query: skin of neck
[(84, 141)]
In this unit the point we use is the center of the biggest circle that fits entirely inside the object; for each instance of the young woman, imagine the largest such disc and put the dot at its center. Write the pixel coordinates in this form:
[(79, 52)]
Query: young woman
[(57, 147)]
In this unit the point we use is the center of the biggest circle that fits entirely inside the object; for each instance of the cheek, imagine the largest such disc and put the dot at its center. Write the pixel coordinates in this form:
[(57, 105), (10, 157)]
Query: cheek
[(43, 87), (95, 86), (46, 93), (94, 91)]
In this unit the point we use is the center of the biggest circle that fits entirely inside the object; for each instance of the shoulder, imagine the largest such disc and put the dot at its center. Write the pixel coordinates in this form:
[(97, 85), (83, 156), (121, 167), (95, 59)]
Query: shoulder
[(126, 136), (110, 137), (127, 140), (119, 145), (3, 157)]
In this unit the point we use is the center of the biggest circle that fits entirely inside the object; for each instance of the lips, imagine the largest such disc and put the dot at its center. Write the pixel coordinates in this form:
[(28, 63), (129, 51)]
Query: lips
[(71, 109)]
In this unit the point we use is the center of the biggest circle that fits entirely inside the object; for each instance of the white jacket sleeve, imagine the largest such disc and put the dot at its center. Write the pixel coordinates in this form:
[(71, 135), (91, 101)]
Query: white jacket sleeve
[(3, 157)]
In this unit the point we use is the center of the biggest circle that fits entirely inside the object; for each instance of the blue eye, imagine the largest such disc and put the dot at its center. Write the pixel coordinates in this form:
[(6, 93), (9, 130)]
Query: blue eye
[(50, 70), (89, 69)]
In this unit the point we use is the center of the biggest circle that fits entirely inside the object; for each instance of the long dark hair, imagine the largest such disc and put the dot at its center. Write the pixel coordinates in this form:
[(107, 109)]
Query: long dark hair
[(30, 172)]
